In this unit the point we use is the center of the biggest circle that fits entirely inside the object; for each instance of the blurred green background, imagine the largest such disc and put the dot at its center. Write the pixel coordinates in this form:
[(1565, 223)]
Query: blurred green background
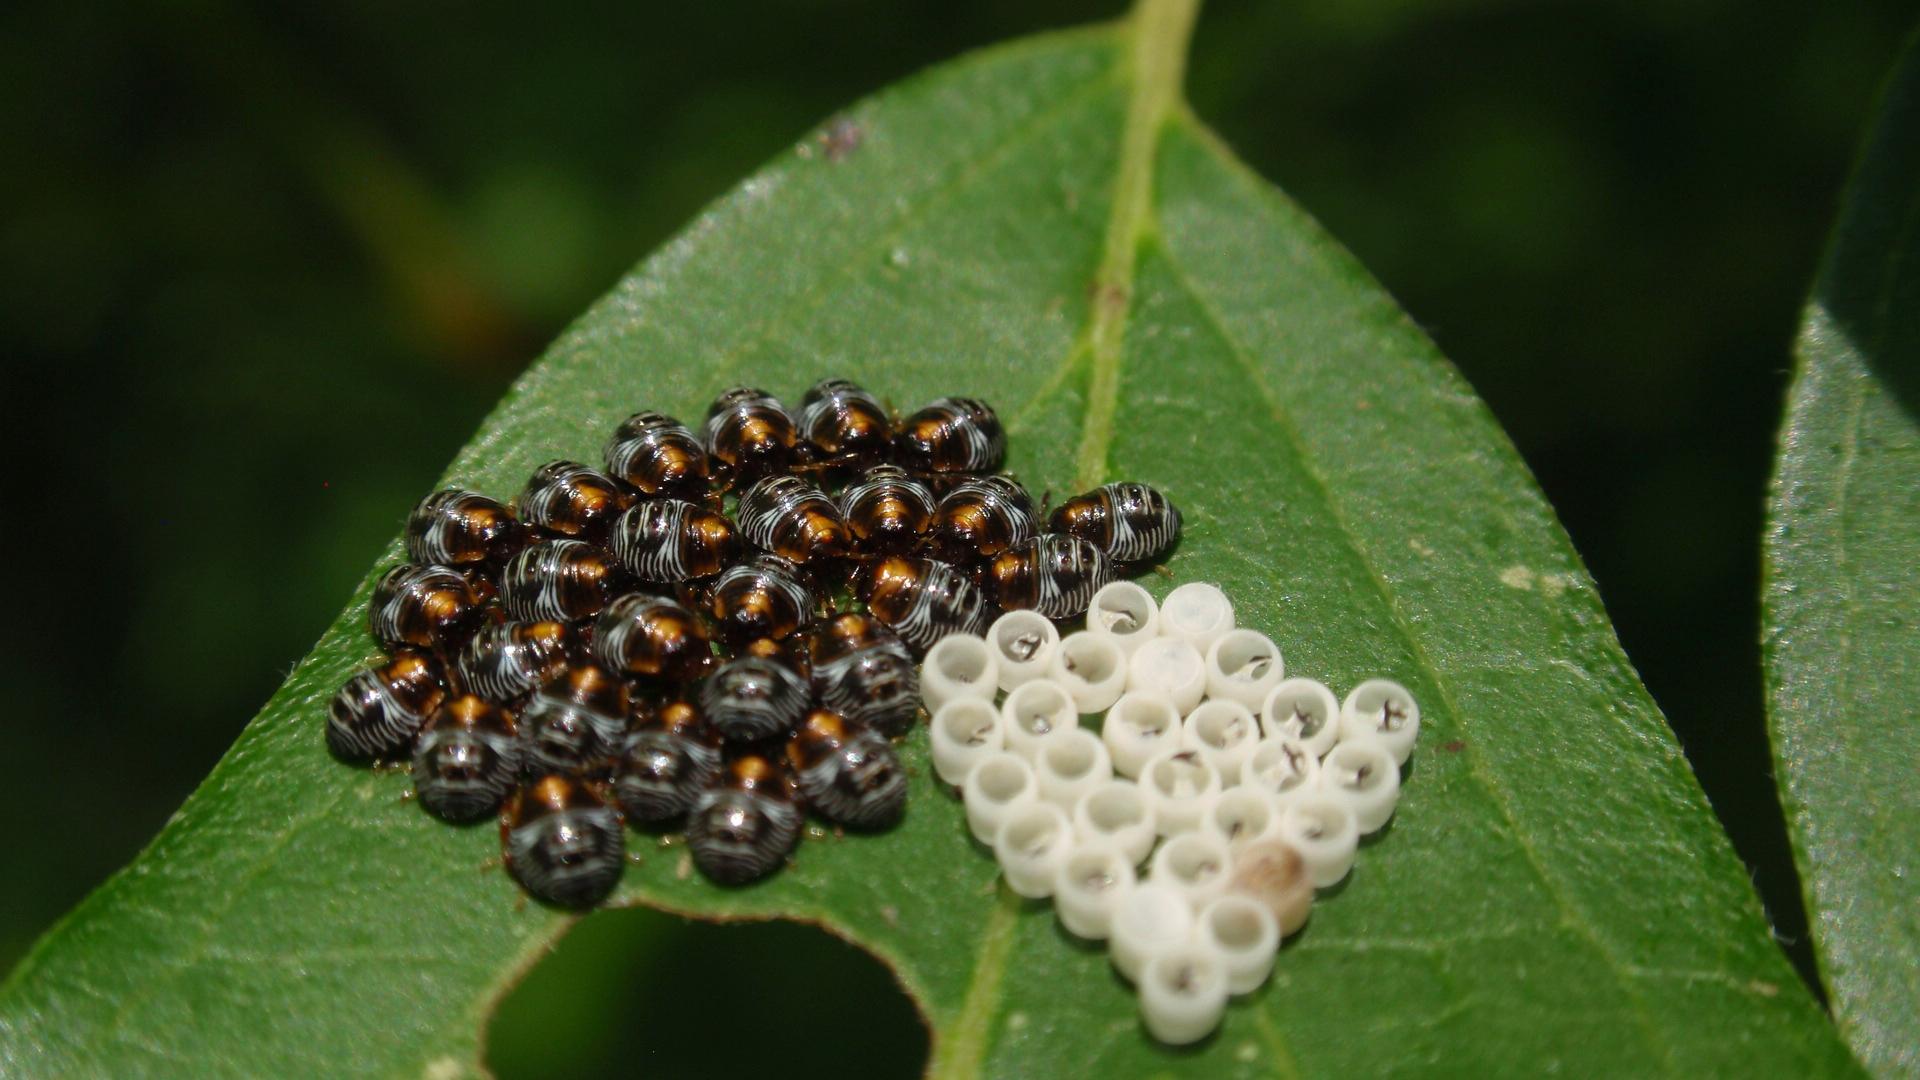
[(264, 268)]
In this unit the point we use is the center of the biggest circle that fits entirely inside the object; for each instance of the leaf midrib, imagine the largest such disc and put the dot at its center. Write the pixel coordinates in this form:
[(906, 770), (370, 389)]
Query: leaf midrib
[(1158, 32)]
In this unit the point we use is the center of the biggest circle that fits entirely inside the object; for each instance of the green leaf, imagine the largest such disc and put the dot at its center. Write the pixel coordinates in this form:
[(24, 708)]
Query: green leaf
[(1045, 225), (1842, 598)]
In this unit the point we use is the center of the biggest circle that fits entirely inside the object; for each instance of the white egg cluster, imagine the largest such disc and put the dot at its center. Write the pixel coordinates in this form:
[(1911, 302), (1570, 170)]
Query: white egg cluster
[(1239, 789)]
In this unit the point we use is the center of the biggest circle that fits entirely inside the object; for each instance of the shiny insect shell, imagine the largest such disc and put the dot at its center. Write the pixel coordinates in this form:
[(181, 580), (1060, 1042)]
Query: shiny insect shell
[(380, 709), (659, 456), (887, 511), (574, 723), (864, 672), (952, 435), (763, 597), (1054, 574), (559, 580), (790, 517), (980, 518), (566, 498), (665, 763), (923, 600), (847, 773), (504, 662), (743, 826), (462, 529), (748, 434), (750, 698), (562, 842), (651, 637), (467, 760), (431, 607), (671, 540), (790, 651), (1128, 521), (842, 424)]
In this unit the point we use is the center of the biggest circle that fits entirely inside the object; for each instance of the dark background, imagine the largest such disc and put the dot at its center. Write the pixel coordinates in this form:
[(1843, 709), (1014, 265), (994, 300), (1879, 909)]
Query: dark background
[(262, 270)]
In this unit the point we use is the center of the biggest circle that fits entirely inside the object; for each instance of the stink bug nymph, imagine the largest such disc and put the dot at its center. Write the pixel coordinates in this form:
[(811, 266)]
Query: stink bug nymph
[(887, 511), (559, 580), (430, 607), (749, 434), (506, 661), (377, 713), (575, 722), (462, 529), (666, 762), (764, 597), (659, 456), (793, 519), (849, 774), (651, 637), (1129, 522), (980, 518), (1054, 574), (743, 826), (562, 842), (670, 541), (844, 425), (923, 600), (467, 760), (566, 498), (952, 435), (863, 671), (752, 698)]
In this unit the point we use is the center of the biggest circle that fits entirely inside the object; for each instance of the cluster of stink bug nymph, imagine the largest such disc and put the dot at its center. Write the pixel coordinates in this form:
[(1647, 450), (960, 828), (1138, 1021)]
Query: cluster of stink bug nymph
[(715, 631)]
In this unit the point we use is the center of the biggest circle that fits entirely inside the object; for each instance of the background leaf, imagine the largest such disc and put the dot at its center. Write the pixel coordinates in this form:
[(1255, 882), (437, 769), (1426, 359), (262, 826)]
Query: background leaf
[(1842, 598), (1042, 224)]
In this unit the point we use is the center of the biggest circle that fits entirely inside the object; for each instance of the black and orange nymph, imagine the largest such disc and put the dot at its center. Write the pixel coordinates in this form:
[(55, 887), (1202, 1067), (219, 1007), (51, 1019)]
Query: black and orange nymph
[(887, 510), (790, 517), (666, 761), (749, 435), (1053, 574), (952, 435), (923, 600), (562, 841), (652, 638), (980, 518), (467, 760), (506, 661), (744, 824), (462, 529), (668, 541), (765, 597), (863, 671), (566, 498), (576, 722), (380, 709), (659, 456), (429, 607), (848, 774), (1129, 522), (843, 425), (750, 698), (559, 580)]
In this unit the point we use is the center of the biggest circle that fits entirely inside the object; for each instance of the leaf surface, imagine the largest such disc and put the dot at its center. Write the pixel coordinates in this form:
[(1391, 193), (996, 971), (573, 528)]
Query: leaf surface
[(1043, 225), (1842, 598)]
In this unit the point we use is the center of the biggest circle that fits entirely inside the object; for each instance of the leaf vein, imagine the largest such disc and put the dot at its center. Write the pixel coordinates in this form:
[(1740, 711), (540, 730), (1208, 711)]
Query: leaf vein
[(1573, 914)]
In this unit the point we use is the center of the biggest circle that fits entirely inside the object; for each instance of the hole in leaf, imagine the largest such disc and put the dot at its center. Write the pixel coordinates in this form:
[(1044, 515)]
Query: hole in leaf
[(641, 992)]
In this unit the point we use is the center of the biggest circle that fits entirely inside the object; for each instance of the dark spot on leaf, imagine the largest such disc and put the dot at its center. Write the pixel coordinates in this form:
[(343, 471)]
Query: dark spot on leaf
[(1455, 746), (841, 138)]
